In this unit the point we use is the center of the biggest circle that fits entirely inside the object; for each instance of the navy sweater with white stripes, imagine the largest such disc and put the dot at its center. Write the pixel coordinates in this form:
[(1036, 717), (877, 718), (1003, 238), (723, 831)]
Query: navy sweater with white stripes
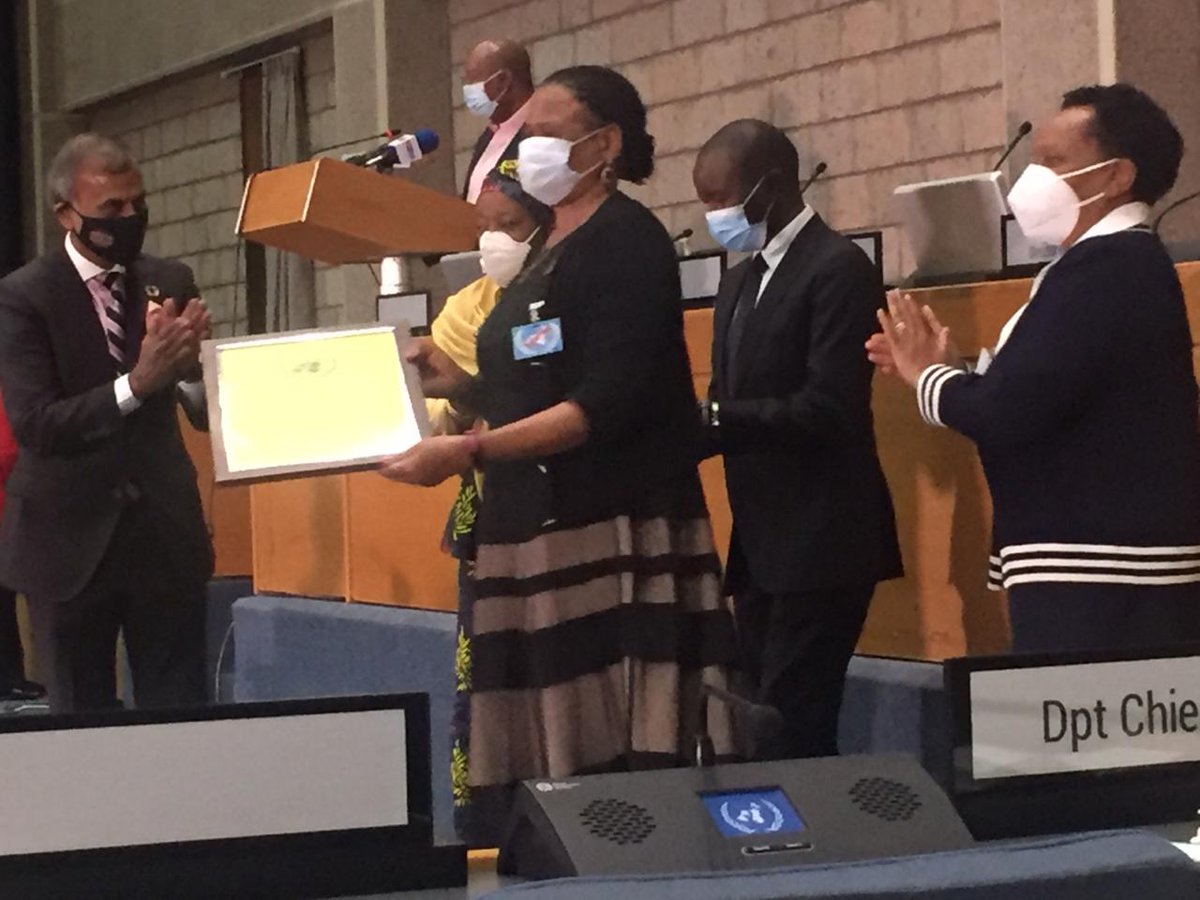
[(1086, 423)]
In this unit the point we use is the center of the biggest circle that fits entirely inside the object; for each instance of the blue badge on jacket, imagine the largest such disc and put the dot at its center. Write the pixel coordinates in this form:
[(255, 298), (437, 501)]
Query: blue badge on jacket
[(537, 339)]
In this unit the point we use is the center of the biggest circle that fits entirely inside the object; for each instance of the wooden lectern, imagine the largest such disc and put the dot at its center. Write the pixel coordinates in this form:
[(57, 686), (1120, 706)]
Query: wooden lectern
[(354, 536), (333, 212)]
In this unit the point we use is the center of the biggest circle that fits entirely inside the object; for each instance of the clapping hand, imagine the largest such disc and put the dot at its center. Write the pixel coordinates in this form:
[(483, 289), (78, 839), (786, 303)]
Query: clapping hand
[(170, 350), (912, 339), (197, 317)]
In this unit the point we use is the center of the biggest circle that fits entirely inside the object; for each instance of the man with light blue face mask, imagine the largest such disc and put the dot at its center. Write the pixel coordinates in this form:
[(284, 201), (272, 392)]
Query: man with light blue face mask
[(789, 408), (497, 85)]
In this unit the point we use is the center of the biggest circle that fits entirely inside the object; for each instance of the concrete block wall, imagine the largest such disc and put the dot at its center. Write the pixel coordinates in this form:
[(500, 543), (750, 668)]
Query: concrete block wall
[(187, 135), (884, 91)]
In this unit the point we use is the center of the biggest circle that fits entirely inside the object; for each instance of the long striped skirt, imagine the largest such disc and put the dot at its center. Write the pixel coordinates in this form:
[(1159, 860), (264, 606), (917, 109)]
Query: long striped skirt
[(588, 649)]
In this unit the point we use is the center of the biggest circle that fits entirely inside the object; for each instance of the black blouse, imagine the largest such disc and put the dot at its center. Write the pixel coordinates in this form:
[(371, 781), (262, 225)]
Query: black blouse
[(613, 286)]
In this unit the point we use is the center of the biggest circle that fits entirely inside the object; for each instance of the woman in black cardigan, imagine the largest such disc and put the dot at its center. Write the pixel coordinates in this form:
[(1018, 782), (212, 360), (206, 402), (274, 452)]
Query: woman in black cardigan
[(599, 605)]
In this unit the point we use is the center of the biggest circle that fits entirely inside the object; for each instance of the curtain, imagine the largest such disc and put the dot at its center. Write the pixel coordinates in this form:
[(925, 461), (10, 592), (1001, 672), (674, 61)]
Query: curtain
[(291, 293)]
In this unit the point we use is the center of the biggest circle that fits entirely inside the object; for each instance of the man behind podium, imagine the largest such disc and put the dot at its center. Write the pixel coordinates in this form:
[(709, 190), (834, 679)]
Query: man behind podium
[(790, 409), (102, 527), (498, 82)]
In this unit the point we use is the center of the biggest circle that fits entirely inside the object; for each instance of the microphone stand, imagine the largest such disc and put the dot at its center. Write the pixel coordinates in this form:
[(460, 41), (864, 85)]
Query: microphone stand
[(703, 753), (1174, 206), (1023, 129)]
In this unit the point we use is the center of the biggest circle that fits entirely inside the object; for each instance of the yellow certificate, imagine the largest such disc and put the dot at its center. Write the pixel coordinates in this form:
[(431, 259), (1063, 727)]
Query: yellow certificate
[(304, 402)]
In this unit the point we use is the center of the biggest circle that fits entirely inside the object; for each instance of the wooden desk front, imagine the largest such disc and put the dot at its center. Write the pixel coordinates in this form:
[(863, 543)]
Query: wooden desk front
[(361, 537)]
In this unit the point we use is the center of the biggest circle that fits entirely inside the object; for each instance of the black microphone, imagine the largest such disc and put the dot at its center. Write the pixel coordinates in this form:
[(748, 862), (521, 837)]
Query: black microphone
[(1174, 206), (405, 149), (360, 159), (756, 723), (816, 173), (682, 236), (1023, 129), (399, 148)]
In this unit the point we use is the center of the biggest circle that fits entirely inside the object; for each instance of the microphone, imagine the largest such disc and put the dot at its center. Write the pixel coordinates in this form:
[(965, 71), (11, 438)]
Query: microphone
[(816, 173), (1023, 129), (1174, 206), (405, 150), (681, 243), (757, 723), (359, 159)]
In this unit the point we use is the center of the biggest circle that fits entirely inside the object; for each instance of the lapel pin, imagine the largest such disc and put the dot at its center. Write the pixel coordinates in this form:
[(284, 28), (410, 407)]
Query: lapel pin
[(152, 292)]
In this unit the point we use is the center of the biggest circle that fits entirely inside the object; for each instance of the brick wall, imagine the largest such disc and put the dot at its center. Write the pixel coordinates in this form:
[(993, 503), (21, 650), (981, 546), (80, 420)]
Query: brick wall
[(884, 91), (187, 136)]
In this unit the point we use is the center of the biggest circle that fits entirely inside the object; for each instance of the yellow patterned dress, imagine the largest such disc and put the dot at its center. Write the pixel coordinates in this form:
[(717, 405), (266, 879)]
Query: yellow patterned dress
[(454, 332)]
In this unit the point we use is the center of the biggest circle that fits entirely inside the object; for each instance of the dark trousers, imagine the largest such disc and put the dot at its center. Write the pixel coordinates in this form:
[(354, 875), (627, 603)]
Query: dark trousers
[(1053, 616), (795, 649), (133, 592), (12, 657)]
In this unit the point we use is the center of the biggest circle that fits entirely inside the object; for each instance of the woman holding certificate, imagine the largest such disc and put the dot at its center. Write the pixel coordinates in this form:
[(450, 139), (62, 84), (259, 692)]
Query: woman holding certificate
[(512, 225), (599, 608)]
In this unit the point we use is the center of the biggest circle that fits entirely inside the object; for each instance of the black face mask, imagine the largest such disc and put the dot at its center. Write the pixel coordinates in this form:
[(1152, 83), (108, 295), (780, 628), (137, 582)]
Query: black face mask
[(117, 240)]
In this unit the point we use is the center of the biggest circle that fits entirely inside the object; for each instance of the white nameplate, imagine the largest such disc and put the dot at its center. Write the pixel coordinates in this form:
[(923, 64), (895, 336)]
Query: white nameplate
[(1084, 717)]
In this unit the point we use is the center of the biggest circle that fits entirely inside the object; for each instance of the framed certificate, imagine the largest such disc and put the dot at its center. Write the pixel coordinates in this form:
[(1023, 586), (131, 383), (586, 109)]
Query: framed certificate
[(311, 402)]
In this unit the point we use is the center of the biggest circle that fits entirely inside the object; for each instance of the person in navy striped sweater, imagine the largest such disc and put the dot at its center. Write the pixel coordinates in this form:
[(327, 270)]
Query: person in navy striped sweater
[(1085, 412)]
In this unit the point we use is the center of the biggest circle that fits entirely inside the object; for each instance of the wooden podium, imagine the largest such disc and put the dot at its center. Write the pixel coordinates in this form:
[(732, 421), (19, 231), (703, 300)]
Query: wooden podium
[(336, 213), (352, 536)]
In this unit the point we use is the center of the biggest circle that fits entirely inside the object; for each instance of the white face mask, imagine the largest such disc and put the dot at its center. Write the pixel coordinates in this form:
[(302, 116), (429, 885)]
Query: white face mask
[(502, 257), (1045, 206), (544, 167), (476, 98)]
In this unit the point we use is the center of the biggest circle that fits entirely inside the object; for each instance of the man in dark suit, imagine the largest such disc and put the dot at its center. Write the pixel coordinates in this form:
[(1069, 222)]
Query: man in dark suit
[(789, 408), (102, 527), (497, 84)]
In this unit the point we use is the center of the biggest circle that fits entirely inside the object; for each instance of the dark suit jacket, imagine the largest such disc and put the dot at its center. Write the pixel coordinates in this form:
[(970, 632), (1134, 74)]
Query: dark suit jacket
[(510, 152), (81, 461), (811, 509)]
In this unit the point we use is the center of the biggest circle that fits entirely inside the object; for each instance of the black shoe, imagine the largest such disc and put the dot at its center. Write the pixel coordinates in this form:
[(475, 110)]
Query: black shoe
[(21, 690)]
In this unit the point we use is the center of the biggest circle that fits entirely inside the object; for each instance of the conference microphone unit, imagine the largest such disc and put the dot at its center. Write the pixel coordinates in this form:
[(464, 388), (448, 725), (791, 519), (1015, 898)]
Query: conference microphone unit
[(746, 817), (1023, 129), (405, 150), (816, 173)]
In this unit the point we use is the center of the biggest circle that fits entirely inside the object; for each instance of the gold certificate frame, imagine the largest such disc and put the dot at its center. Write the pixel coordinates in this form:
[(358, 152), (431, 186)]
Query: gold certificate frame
[(311, 402)]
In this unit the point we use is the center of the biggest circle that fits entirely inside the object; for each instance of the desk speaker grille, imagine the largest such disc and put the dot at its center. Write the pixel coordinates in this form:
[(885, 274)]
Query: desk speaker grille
[(617, 821), (892, 801)]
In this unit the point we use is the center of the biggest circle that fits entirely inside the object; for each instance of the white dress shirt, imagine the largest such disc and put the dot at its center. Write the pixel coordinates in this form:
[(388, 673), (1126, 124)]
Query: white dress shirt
[(779, 245)]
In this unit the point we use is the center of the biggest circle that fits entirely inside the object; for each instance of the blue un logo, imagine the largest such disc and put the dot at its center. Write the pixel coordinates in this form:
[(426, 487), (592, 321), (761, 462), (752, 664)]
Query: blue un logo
[(740, 813)]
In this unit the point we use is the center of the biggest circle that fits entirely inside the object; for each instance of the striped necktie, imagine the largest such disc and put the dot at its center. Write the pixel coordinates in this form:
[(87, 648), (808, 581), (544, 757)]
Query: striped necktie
[(114, 319)]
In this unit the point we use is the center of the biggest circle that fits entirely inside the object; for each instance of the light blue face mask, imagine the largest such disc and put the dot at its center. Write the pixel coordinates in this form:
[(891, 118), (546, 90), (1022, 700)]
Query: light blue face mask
[(732, 230), (476, 98)]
